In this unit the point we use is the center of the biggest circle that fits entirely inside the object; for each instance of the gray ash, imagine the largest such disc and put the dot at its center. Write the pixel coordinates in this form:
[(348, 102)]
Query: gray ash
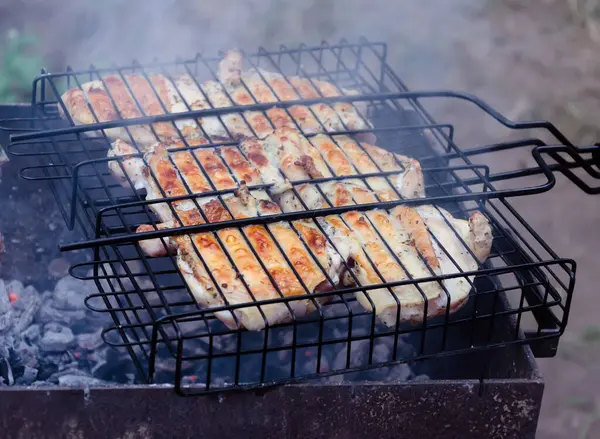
[(294, 353), (50, 337)]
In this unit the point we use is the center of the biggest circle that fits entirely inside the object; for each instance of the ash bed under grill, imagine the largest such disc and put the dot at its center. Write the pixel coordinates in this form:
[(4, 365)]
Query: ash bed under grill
[(520, 298)]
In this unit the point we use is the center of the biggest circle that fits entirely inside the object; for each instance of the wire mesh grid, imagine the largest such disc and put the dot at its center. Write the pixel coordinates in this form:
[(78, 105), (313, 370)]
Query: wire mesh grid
[(155, 313)]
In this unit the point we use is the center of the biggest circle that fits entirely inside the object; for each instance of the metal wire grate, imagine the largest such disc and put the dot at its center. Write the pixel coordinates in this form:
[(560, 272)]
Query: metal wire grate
[(155, 316)]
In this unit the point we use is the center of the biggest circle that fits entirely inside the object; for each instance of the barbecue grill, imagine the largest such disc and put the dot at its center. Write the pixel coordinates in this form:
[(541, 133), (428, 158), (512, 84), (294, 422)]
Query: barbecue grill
[(520, 298)]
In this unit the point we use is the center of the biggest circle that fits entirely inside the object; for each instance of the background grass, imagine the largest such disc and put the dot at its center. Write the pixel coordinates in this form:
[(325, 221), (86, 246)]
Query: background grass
[(20, 62)]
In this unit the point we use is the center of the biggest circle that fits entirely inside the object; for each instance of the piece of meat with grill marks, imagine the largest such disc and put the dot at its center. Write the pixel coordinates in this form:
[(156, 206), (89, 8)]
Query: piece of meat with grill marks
[(363, 163), (284, 153), (334, 155), (202, 259), (302, 261), (352, 115), (285, 279), (194, 98), (242, 169), (312, 161), (231, 288), (285, 236), (191, 172), (336, 194), (262, 86), (316, 167), (270, 171), (346, 157), (412, 227), (203, 250), (419, 300), (215, 168), (157, 247), (204, 96), (329, 259), (348, 192), (410, 183), (225, 125), (163, 176), (310, 195), (351, 251), (271, 88), (290, 142), (408, 243), (455, 239), (128, 96), (288, 152), (116, 97), (126, 167), (305, 118), (242, 203), (385, 303)]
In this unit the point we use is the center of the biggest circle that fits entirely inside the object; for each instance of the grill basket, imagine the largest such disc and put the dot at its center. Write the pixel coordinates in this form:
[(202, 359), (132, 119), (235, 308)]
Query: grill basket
[(523, 285)]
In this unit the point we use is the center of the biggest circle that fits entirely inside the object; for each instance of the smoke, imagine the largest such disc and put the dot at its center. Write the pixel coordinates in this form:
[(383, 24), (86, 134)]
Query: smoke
[(431, 43), (118, 31)]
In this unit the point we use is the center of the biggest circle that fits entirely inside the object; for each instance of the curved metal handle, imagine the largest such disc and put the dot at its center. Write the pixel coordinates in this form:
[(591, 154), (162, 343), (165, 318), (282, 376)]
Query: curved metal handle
[(591, 165)]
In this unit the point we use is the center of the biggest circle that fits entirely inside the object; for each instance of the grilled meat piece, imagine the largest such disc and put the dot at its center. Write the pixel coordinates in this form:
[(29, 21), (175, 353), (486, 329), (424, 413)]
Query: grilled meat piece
[(407, 244), (287, 156), (116, 97), (402, 247), (157, 247), (459, 246), (257, 252), (346, 157), (297, 258), (128, 165), (408, 250)]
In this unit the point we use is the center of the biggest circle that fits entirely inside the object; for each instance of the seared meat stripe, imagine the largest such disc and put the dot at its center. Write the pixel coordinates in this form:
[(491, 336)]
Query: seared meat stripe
[(377, 246), (117, 97), (381, 246), (221, 267), (286, 156)]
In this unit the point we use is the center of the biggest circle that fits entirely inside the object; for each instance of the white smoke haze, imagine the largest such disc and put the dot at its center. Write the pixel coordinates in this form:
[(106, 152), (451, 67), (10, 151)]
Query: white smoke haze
[(506, 51), (432, 44), (118, 31)]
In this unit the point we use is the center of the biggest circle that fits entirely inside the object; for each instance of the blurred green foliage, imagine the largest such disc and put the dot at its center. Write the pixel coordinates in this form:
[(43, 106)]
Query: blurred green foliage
[(591, 334), (20, 63)]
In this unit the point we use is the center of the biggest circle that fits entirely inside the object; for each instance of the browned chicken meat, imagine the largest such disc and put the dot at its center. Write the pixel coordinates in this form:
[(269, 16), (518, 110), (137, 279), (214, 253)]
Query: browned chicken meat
[(116, 97), (233, 266), (305, 257), (298, 259)]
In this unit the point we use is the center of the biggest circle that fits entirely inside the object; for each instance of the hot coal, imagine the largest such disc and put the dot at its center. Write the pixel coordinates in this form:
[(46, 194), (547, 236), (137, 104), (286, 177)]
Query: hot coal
[(49, 337), (291, 354), (29, 375), (5, 308), (52, 338), (79, 381), (90, 341), (56, 338)]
